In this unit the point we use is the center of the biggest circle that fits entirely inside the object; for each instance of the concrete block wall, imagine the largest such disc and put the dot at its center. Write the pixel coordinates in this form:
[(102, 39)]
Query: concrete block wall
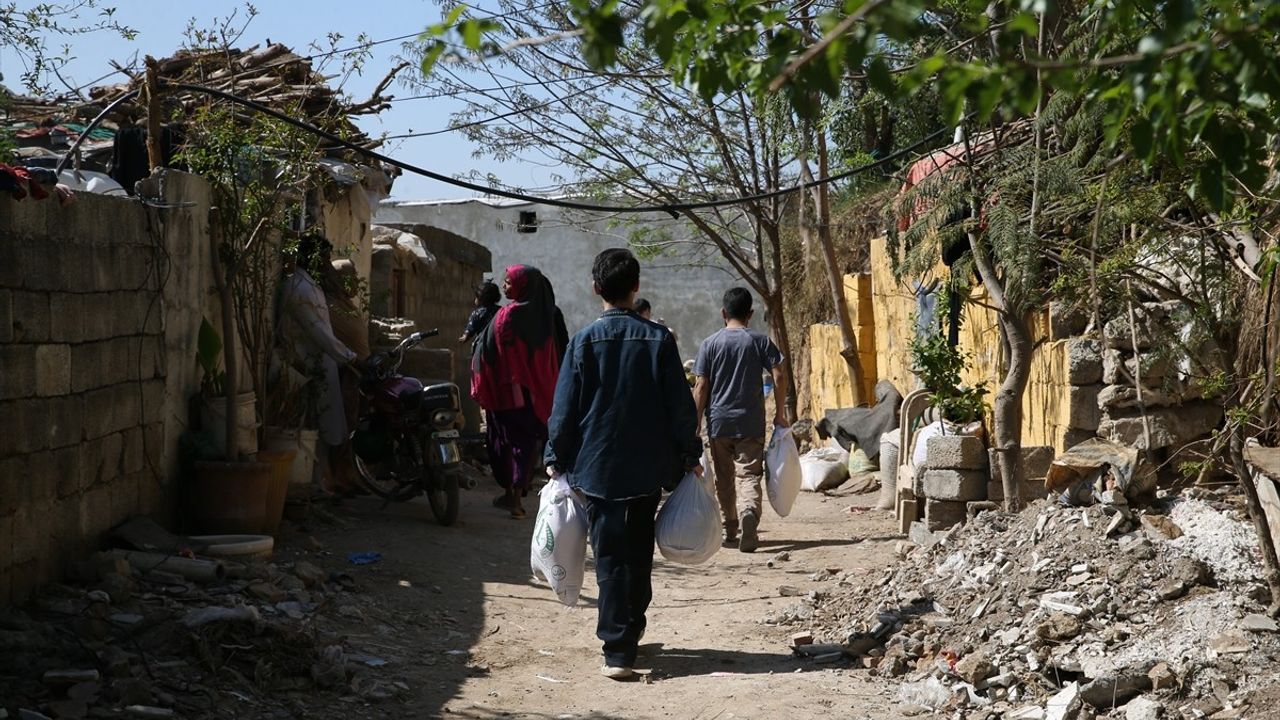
[(99, 303)]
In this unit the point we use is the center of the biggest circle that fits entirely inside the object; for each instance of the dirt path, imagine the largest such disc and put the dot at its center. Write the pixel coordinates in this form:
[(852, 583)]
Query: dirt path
[(459, 621)]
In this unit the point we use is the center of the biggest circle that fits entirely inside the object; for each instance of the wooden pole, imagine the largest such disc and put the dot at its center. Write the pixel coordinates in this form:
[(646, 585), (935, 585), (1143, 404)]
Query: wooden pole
[(154, 114)]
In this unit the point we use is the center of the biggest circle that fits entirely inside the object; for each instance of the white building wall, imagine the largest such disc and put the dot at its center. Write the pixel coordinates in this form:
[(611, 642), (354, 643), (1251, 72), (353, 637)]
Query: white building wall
[(685, 283)]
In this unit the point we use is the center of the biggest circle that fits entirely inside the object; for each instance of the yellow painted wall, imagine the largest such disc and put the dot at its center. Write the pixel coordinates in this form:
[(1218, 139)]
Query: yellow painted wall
[(882, 310)]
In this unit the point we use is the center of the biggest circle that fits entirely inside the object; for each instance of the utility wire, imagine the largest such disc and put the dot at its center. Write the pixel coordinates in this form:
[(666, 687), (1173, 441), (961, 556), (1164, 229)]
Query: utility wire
[(670, 208)]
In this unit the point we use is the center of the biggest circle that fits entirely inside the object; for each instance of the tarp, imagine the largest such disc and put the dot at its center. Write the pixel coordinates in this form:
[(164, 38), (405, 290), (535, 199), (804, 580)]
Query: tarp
[(864, 426)]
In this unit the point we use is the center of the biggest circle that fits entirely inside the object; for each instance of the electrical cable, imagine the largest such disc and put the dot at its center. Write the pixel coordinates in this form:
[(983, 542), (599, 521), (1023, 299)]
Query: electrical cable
[(670, 208)]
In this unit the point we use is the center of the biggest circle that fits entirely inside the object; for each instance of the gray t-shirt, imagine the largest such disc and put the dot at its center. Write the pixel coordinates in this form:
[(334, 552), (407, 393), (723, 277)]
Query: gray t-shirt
[(734, 361)]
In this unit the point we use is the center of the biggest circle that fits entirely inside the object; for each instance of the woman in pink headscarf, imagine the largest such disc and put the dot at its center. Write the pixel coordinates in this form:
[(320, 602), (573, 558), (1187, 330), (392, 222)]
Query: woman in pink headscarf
[(513, 378)]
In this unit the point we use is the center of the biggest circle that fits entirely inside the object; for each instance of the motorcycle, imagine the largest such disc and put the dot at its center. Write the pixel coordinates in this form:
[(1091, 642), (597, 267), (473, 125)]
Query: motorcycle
[(406, 440)]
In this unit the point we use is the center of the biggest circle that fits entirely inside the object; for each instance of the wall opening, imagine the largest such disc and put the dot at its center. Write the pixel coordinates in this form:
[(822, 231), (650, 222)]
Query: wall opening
[(528, 222)]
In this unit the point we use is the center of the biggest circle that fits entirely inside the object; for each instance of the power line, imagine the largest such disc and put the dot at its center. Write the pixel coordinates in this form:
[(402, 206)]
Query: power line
[(495, 118), (669, 208)]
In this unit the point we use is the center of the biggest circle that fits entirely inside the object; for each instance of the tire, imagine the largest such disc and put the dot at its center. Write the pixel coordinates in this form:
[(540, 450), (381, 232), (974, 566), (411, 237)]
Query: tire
[(389, 488), (444, 500)]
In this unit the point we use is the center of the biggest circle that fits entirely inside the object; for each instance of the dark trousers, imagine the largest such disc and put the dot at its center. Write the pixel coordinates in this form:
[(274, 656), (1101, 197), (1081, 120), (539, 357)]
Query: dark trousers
[(622, 542), (514, 439)]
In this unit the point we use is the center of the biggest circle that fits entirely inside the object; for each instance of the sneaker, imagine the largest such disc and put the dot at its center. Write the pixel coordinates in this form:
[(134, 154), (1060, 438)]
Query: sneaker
[(749, 540), (617, 673), (730, 538)]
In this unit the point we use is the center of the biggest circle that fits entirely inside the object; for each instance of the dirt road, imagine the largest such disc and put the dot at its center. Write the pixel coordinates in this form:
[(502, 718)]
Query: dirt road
[(458, 620)]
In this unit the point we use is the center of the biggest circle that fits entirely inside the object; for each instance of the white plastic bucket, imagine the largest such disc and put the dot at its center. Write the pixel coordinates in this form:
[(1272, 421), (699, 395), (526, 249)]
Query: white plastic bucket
[(304, 441), (213, 417)]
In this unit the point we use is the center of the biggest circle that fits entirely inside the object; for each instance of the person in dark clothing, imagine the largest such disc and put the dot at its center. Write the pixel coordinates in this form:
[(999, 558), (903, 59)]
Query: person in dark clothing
[(486, 301), (622, 372)]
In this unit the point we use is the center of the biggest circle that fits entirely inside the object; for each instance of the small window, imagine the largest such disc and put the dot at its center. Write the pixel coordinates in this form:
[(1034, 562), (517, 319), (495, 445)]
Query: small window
[(528, 222)]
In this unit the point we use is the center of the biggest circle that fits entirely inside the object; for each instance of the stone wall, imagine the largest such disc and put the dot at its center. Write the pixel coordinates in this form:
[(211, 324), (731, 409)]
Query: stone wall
[(99, 305), (443, 297)]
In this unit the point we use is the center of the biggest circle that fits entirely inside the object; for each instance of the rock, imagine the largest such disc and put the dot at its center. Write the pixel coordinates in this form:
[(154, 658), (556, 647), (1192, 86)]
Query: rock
[(267, 592), (310, 574), (1191, 572), (146, 712), (351, 611), (1107, 692), (1084, 361), (953, 485), (802, 638), (25, 714), (69, 677), (955, 452), (330, 671), (921, 535), (291, 584), (119, 587), (1066, 320), (1066, 705), (1059, 626), (1160, 528), (1063, 602), (977, 507), (1155, 323), (1231, 642), (1114, 497), (1122, 397), (1031, 712), (132, 692), (943, 514), (1119, 525), (1121, 369), (1162, 676), (1259, 623), (1169, 426), (1171, 589), (975, 667), (1143, 708)]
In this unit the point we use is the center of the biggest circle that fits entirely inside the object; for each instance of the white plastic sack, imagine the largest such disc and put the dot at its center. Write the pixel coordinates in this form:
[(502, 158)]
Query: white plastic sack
[(782, 463), (688, 524), (823, 469), (558, 552)]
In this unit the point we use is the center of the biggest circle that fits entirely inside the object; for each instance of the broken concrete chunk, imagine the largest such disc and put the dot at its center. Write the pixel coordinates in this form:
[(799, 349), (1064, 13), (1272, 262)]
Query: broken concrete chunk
[(1160, 528), (1143, 708), (1059, 626), (1259, 623), (1063, 602), (802, 638), (1162, 676), (1231, 642), (310, 574), (975, 667), (1107, 692), (921, 535), (1066, 705), (1084, 361)]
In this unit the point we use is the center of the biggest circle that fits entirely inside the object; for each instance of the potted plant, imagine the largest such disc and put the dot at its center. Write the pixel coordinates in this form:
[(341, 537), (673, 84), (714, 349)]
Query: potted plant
[(938, 365)]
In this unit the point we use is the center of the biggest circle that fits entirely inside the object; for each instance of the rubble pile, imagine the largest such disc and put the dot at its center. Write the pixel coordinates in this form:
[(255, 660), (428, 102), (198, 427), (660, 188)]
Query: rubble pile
[(1067, 613), (261, 640)]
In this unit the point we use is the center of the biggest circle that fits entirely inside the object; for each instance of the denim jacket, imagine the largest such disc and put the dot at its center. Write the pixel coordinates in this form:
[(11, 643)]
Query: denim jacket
[(623, 425)]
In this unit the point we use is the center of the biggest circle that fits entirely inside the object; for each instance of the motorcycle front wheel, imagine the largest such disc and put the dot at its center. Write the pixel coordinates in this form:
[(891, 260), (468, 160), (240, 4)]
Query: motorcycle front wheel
[(393, 479), (443, 497)]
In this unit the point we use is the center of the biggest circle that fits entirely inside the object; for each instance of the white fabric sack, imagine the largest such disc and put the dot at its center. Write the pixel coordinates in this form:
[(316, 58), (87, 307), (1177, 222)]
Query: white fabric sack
[(784, 477), (558, 552), (688, 524), (823, 469)]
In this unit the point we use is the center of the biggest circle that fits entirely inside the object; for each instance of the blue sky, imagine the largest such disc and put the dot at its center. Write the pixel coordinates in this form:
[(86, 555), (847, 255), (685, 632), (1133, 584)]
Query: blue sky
[(161, 24)]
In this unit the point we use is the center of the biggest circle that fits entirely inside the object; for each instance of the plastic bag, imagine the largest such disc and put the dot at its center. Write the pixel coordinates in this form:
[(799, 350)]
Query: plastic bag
[(823, 469), (558, 551), (688, 524), (782, 461), (859, 463)]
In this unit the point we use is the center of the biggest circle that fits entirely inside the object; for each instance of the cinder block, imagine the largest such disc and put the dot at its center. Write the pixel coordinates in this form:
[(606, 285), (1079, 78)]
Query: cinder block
[(53, 370), (66, 316), (1029, 490), (111, 409), (17, 371), (942, 514), (956, 452), (52, 474), (124, 500), (30, 317), (1033, 462), (6, 325), (955, 485), (101, 460), (12, 489), (908, 513), (66, 421), (26, 427)]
